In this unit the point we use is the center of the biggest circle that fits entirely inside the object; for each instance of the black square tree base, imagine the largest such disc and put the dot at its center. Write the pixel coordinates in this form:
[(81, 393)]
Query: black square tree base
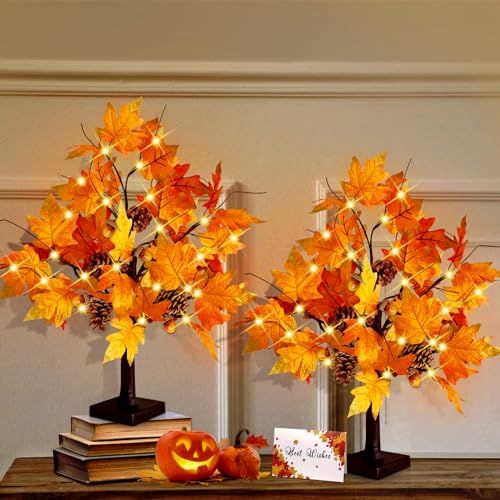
[(114, 410), (390, 463)]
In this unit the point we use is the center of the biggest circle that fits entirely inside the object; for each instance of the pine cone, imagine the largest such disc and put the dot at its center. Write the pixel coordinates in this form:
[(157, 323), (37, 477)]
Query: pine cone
[(343, 312), (99, 313), (179, 301), (141, 217), (344, 368), (424, 355), (385, 270), (96, 260)]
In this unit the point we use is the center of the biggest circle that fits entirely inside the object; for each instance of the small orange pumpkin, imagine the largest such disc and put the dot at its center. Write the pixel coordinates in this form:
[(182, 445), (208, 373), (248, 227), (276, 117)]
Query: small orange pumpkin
[(187, 455), (242, 461)]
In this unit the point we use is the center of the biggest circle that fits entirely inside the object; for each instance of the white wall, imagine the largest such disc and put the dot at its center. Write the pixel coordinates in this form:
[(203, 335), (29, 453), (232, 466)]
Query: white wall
[(275, 134)]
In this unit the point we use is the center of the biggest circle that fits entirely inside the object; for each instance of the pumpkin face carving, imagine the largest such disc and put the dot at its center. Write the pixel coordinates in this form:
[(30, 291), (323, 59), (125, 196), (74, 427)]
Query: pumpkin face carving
[(187, 455)]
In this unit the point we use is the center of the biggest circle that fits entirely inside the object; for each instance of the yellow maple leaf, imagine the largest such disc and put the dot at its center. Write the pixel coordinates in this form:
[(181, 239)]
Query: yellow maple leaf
[(220, 241), (54, 302), (127, 339), (298, 283), (464, 294), (120, 128), (368, 291), (420, 317), (218, 297), (300, 358), (175, 264), (53, 228), (364, 184), (123, 237), (273, 326), (372, 392)]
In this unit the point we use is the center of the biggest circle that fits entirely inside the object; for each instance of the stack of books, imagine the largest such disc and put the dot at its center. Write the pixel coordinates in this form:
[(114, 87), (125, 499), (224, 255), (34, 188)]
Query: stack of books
[(99, 450)]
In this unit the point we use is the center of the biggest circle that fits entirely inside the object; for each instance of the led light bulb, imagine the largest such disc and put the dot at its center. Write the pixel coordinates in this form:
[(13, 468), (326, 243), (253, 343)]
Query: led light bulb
[(44, 280), (82, 308), (150, 197), (84, 276), (105, 150), (478, 291), (431, 372), (401, 340), (197, 293), (326, 234), (445, 310), (387, 374), (204, 221), (200, 256), (155, 141), (394, 251), (384, 219), (442, 347), (361, 320), (329, 329), (159, 228), (350, 204), (68, 214), (299, 309), (327, 362), (106, 201), (186, 319), (188, 288), (54, 254), (432, 342), (156, 287), (449, 274), (259, 321), (288, 334), (139, 165), (405, 282), (401, 195), (234, 237), (351, 255), (313, 268), (13, 268), (81, 181), (142, 320), (116, 266)]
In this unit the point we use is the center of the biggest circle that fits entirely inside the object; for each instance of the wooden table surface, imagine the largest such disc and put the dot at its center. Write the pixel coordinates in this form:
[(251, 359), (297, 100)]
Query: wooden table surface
[(33, 478)]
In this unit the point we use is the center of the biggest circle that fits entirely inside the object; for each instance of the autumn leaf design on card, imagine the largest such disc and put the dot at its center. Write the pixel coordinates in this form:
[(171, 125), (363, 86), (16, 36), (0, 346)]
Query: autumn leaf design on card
[(309, 454)]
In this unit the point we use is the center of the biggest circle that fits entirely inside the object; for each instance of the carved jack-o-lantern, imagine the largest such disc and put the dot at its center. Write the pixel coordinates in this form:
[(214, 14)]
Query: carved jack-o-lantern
[(187, 455)]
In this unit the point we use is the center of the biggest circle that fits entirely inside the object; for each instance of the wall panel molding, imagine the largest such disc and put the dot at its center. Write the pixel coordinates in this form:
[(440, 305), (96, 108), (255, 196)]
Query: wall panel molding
[(226, 78)]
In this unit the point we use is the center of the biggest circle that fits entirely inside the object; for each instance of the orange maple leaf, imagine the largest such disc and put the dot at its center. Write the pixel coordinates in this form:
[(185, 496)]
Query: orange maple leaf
[(53, 228), (301, 357), (389, 357), (462, 349), (206, 339), (452, 393), (120, 128), (23, 269), (122, 289), (218, 298), (54, 301), (420, 317), (272, 326), (366, 347), (174, 265), (298, 283), (364, 185)]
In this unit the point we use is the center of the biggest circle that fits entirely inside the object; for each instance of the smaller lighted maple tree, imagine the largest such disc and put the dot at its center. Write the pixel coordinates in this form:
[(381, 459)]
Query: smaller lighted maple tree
[(418, 328), (132, 260)]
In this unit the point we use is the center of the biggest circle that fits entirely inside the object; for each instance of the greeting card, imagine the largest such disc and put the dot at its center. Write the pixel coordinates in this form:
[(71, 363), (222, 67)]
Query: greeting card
[(309, 454)]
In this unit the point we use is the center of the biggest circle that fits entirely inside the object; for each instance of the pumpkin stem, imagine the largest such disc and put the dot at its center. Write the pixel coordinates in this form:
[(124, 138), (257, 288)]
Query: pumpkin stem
[(237, 441)]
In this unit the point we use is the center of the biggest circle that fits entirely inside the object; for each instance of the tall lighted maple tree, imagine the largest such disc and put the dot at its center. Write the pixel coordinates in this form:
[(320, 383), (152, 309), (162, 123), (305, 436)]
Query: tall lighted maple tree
[(402, 313), (131, 260)]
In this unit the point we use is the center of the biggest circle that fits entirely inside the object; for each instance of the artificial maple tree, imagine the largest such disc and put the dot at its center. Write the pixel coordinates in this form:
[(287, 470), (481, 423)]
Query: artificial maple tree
[(154, 257), (404, 312)]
